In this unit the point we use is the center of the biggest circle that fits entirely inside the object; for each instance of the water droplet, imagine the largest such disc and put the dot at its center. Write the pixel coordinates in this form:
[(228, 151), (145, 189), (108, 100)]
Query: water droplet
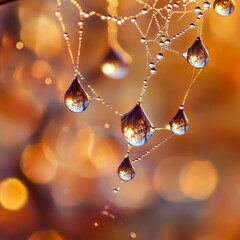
[(115, 63), (152, 64), (192, 25), (179, 123), (136, 127), (153, 71), (197, 10), (96, 224), (160, 56), (144, 10), (143, 40), (206, 5), (197, 54), (126, 170), (115, 190), (224, 7), (76, 98)]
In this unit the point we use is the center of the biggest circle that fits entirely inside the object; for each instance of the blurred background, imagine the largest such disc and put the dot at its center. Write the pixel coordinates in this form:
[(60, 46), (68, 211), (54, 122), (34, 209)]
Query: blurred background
[(58, 169)]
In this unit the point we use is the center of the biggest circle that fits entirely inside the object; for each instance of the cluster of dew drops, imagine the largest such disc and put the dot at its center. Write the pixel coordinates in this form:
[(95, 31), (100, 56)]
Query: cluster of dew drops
[(136, 127)]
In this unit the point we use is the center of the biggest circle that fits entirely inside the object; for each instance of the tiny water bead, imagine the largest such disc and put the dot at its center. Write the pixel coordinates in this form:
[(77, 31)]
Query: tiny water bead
[(76, 98), (224, 7), (197, 54), (126, 171), (179, 123), (115, 63), (136, 127)]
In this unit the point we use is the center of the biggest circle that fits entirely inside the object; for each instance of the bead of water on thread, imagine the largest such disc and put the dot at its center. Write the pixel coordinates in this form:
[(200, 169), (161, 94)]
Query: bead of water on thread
[(103, 17), (133, 20), (168, 42), (144, 11), (163, 38), (136, 127), (66, 36), (152, 64), (80, 23), (109, 17), (192, 25), (114, 19), (115, 190), (145, 83), (86, 15), (224, 7), (161, 44), (197, 9), (153, 71), (58, 13), (206, 5), (176, 5), (95, 224), (160, 56), (143, 40)]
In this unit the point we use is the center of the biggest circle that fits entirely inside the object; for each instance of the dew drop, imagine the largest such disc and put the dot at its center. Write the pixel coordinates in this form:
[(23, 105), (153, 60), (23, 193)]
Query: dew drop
[(143, 40), (116, 190), (197, 10), (76, 98), (160, 56), (115, 63), (144, 11), (96, 224), (224, 7), (126, 170), (179, 123), (136, 127), (206, 5), (153, 71), (197, 54), (152, 64), (192, 25)]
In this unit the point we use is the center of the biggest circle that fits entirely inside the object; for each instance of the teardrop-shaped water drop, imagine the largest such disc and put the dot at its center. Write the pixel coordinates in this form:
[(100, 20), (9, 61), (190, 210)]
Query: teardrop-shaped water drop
[(126, 171), (224, 7), (115, 63), (136, 127), (179, 123), (197, 54), (76, 98)]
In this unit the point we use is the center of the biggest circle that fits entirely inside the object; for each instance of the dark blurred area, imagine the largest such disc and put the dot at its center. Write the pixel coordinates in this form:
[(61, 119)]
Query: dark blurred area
[(58, 169)]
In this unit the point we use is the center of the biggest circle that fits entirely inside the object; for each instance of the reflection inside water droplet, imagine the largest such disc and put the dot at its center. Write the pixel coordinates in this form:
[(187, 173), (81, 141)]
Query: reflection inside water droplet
[(179, 123), (136, 127), (224, 7), (76, 99), (197, 54), (126, 171)]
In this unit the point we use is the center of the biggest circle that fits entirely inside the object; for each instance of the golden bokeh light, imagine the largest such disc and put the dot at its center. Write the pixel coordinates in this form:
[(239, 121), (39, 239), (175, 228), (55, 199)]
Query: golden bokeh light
[(41, 69), (166, 178), (48, 81), (18, 121), (198, 179), (13, 194), (41, 35), (39, 163), (19, 45), (46, 235)]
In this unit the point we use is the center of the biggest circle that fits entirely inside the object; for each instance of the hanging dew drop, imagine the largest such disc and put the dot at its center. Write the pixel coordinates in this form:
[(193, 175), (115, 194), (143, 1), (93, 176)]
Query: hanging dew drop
[(115, 63), (197, 54), (126, 170), (136, 127), (76, 98), (224, 7), (179, 123)]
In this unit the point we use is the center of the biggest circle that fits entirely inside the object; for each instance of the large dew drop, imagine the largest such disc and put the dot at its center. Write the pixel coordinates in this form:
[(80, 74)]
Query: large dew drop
[(197, 54), (126, 170), (115, 63), (76, 99), (136, 127), (179, 123), (224, 7)]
